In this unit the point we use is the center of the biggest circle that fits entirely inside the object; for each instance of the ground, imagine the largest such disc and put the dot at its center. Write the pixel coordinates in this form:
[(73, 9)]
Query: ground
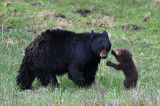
[(131, 24)]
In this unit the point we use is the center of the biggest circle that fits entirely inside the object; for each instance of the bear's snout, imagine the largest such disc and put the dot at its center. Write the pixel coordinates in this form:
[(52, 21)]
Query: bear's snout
[(103, 54)]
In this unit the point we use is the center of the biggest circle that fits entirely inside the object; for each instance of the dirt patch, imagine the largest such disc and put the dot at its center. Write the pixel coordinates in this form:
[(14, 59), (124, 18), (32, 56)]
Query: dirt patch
[(56, 14), (64, 23), (86, 12), (156, 3), (146, 17), (132, 27), (39, 3), (48, 14), (9, 28), (83, 12), (20, 14), (7, 4), (99, 24)]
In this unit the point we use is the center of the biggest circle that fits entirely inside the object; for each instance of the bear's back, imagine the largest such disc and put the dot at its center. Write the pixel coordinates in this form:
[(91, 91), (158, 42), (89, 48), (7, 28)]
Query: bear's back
[(58, 33)]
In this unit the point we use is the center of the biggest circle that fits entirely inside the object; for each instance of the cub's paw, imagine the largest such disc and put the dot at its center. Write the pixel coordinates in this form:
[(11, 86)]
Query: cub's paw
[(113, 52), (109, 63)]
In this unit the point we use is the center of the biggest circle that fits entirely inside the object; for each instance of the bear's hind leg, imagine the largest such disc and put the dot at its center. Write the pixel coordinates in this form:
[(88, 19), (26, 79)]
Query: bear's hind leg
[(76, 76), (128, 83), (48, 79)]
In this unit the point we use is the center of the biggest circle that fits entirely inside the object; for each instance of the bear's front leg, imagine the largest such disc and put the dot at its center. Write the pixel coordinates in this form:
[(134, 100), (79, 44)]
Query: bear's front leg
[(89, 73), (48, 78), (76, 76)]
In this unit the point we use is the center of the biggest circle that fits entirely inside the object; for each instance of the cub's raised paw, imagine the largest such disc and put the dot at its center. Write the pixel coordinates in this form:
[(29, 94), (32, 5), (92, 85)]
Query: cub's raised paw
[(113, 52)]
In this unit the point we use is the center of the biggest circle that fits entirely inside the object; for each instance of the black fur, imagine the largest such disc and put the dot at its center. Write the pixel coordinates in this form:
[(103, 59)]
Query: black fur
[(56, 52)]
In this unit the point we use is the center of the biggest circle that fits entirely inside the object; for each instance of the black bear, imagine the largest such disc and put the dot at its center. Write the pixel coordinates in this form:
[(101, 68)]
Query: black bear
[(56, 52)]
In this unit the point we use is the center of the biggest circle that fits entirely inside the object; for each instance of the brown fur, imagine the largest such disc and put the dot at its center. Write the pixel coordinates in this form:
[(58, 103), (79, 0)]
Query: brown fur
[(124, 57)]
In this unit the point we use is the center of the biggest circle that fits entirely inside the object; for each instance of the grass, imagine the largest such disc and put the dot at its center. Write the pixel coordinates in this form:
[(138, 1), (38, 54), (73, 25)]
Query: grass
[(21, 22)]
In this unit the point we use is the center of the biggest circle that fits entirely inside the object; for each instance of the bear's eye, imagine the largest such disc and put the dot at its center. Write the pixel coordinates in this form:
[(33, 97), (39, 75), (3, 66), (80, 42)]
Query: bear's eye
[(102, 48)]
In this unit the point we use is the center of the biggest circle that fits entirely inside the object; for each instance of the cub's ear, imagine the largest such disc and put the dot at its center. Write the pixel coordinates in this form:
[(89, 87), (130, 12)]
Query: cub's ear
[(92, 34)]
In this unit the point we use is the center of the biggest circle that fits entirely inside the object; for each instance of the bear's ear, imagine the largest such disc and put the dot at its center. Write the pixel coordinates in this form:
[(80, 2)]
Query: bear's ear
[(92, 31), (92, 34), (104, 32)]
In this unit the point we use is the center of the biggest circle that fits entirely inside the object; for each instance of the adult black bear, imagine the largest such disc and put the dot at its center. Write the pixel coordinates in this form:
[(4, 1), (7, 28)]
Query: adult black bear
[(56, 52)]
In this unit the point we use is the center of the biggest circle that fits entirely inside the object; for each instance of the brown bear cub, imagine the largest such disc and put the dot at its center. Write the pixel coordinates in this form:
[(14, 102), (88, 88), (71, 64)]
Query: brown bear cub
[(124, 57)]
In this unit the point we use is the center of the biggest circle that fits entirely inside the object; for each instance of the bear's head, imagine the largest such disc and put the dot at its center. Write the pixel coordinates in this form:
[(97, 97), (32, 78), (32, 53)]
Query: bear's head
[(123, 55), (101, 44)]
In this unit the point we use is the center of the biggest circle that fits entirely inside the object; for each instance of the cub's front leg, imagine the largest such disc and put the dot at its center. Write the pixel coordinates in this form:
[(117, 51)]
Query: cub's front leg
[(116, 66)]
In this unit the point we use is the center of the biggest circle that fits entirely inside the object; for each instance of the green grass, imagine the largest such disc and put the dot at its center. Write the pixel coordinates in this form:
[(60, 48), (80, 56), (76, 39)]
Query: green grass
[(21, 23)]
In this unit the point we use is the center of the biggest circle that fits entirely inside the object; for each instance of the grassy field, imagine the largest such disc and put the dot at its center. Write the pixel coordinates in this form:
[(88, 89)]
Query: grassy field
[(131, 24)]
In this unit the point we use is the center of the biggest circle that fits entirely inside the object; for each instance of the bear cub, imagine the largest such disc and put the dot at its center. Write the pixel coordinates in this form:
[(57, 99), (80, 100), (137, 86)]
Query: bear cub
[(58, 52), (124, 57)]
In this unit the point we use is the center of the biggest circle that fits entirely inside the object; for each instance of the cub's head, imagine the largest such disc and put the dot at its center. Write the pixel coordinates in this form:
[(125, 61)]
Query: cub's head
[(101, 44), (123, 55)]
